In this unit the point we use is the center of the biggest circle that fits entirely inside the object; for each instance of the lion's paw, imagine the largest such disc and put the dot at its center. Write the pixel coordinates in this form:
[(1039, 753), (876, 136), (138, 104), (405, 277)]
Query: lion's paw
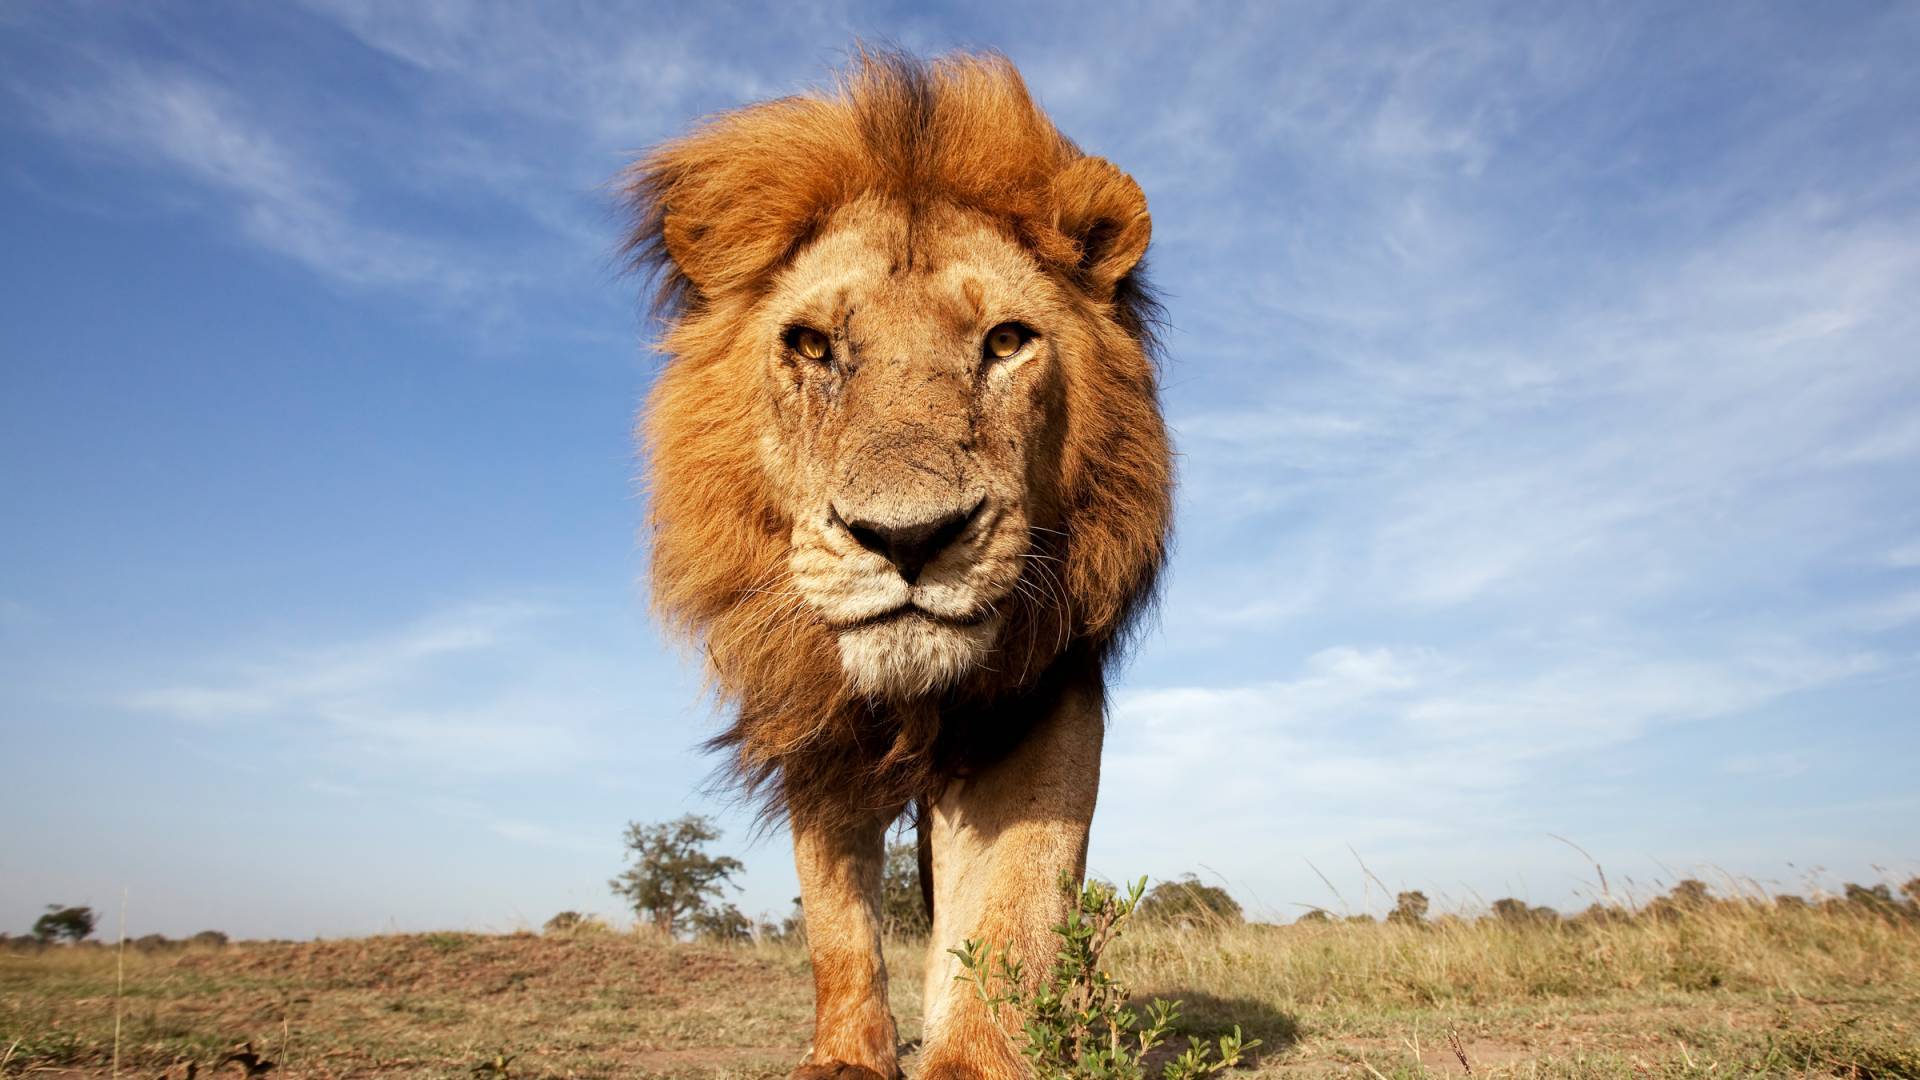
[(838, 1070), (948, 1070)]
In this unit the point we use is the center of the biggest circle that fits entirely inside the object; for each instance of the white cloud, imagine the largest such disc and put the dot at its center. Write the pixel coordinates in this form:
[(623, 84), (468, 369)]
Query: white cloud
[(1391, 749), (542, 836), (588, 71), (1607, 454), (429, 695), (206, 704), (1771, 766), (1886, 613), (281, 200)]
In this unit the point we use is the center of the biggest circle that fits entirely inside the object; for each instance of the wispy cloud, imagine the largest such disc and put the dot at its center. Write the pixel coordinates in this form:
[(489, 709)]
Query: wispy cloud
[(588, 72), (428, 695), (282, 200), (1884, 613), (1431, 762)]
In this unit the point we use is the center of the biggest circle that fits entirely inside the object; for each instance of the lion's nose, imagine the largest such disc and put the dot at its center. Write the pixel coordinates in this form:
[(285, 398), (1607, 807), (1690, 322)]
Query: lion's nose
[(912, 545)]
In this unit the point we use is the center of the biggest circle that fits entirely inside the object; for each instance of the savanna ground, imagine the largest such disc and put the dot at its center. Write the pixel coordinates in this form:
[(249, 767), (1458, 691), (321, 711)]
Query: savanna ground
[(1735, 988)]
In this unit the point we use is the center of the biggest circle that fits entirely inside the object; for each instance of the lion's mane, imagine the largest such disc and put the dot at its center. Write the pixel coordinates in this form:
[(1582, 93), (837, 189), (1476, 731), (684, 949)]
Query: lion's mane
[(715, 215)]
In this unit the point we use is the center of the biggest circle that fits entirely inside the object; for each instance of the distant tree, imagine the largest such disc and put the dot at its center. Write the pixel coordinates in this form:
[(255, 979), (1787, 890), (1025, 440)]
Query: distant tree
[(672, 878), (208, 939), (903, 911), (1911, 890), (1409, 908), (71, 923), (1509, 910), (794, 926), (1690, 893), (1315, 915), (1877, 899), (1689, 896), (1598, 914), (1189, 902), (721, 922)]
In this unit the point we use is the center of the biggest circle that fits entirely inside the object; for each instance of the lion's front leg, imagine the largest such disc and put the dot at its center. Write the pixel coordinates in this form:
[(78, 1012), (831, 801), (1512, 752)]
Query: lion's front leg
[(840, 866), (1002, 840)]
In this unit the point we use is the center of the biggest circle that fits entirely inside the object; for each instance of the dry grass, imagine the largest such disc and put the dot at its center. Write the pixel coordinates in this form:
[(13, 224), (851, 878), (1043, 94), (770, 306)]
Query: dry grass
[(1733, 989), (1732, 945)]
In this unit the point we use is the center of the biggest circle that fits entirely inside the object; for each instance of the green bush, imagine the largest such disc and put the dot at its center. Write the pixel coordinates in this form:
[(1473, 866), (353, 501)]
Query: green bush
[(1075, 1022), (903, 911)]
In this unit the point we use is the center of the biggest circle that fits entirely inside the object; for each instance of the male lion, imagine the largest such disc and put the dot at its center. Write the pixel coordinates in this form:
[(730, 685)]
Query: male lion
[(910, 486)]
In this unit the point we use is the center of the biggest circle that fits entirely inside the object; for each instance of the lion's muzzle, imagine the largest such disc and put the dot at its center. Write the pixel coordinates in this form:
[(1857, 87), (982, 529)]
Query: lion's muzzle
[(912, 543)]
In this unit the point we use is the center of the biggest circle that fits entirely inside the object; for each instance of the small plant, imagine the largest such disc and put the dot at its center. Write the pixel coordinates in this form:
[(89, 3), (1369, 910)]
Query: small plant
[(1076, 1022), (566, 922), (497, 1067), (251, 1064)]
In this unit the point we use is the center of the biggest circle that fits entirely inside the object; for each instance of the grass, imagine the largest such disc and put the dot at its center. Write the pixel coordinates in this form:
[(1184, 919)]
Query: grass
[(1733, 989)]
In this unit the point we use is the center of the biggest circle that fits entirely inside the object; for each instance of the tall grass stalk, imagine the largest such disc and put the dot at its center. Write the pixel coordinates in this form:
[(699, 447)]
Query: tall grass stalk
[(120, 982)]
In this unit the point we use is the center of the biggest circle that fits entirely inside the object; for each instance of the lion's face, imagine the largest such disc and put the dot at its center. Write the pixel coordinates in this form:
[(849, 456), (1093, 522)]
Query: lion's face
[(907, 441), (910, 377)]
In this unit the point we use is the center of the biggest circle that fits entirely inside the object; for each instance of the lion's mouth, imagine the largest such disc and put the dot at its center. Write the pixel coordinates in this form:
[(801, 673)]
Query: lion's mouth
[(911, 611)]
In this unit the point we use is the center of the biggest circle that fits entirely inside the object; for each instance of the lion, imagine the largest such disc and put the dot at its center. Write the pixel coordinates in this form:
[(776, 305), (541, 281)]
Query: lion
[(910, 488)]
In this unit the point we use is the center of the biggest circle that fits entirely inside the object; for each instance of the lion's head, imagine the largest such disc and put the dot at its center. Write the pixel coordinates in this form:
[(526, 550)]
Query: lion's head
[(907, 446)]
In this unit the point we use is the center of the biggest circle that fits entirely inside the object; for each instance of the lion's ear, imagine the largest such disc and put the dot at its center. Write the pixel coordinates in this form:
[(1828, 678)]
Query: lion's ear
[(1104, 213), (714, 210)]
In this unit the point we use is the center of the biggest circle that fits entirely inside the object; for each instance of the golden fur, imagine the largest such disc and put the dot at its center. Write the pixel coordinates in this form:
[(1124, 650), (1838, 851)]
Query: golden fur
[(946, 173)]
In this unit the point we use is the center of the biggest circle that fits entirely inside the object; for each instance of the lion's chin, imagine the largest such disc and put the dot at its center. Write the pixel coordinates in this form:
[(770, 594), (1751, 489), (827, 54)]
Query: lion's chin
[(912, 656)]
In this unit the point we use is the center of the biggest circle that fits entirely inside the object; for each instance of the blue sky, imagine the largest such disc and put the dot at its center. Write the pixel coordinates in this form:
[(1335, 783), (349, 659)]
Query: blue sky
[(1549, 419)]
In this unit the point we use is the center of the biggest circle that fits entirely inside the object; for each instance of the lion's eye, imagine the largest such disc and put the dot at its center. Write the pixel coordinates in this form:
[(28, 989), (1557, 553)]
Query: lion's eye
[(808, 342), (1006, 339)]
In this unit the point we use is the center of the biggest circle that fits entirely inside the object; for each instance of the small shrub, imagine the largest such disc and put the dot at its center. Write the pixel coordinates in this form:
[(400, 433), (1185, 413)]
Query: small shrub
[(791, 929), (721, 924), (903, 912), (497, 1067), (564, 923), (1075, 1022)]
